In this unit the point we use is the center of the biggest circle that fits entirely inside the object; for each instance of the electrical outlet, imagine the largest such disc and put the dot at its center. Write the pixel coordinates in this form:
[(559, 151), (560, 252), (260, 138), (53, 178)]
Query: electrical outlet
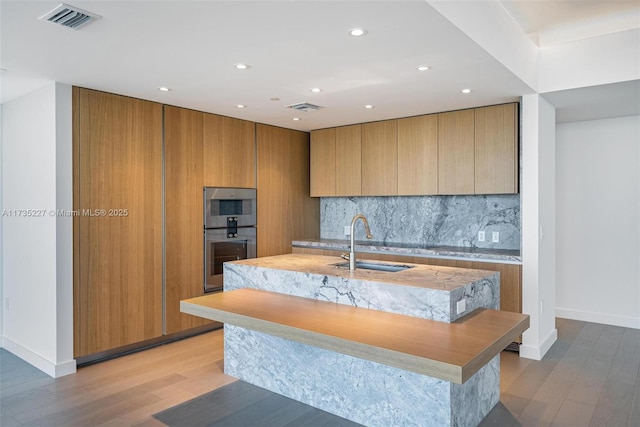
[(495, 237), (347, 230), (480, 236), (461, 306)]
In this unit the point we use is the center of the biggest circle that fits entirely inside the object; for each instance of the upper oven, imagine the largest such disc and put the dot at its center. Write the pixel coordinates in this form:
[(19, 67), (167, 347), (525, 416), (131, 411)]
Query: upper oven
[(229, 207)]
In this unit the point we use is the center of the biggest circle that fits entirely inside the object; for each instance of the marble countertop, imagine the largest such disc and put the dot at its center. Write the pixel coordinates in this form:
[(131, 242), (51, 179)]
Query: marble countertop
[(420, 275), (453, 252)]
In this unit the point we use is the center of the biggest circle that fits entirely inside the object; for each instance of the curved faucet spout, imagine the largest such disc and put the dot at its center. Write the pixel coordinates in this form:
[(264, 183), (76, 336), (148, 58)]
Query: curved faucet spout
[(352, 254)]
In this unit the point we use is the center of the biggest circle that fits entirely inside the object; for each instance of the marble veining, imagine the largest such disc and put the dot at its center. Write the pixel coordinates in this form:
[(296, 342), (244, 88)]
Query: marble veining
[(408, 249), (427, 292), (427, 220), (360, 390)]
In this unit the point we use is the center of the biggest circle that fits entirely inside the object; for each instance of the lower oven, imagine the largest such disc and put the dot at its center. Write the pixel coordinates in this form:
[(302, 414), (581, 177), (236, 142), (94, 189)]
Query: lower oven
[(221, 245)]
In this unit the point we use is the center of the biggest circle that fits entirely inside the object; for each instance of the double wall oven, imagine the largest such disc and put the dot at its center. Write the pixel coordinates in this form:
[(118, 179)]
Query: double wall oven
[(229, 230)]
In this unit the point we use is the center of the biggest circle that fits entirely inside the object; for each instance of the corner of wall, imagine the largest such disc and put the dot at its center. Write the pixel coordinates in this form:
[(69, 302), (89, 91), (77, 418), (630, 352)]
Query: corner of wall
[(1, 235)]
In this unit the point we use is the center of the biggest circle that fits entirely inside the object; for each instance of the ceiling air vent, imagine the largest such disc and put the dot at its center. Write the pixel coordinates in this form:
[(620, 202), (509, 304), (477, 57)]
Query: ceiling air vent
[(304, 106), (69, 16)]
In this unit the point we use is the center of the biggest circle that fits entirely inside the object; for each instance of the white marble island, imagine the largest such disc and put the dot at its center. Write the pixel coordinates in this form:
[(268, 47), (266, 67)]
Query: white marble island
[(376, 393)]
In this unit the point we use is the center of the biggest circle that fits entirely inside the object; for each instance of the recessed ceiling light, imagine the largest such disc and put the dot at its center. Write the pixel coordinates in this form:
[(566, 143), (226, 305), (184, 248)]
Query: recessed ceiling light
[(358, 32), (423, 68), (241, 106), (316, 90), (466, 91), (274, 99), (296, 119), (164, 89), (368, 107), (241, 66)]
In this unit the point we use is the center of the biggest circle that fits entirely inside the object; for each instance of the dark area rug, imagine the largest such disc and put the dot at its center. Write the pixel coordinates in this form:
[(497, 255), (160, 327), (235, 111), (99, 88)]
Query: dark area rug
[(244, 405)]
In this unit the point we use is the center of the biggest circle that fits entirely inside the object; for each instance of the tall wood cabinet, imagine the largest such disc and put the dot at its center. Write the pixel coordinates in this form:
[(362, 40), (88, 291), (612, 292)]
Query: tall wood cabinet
[(285, 210), (118, 230), (229, 152), (184, 248)]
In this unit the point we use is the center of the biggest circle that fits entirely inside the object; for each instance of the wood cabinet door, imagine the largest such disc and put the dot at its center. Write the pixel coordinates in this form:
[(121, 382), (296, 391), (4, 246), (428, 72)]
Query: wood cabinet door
[(349, 160), (229, 152), (285, 210), (418, 155), (456, 152), (380, 158), (323, 162), (496, 151), (118, 242), (184, 223)]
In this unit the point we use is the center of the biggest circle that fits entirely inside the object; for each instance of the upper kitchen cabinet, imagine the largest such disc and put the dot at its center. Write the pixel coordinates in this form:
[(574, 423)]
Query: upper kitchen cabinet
[(348, 160), (117, 181), (418, 155), (496, 154), (456, 144), (380, 158), (229, 152), (335, 161), (286, 212), (184, 253), (323, 162)]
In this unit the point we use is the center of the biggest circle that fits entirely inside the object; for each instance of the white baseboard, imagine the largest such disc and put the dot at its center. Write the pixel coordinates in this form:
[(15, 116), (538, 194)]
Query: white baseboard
[(607, 319), (48, 367), (537, 353)]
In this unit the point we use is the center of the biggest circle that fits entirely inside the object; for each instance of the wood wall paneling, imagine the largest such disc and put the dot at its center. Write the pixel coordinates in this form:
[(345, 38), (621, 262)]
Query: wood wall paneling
[(323, 162), (229, 152), (456, 152), (496, 154), (118, 149), (380, 158), (418, 155), (348, 160), (184, 226), (285, 209)]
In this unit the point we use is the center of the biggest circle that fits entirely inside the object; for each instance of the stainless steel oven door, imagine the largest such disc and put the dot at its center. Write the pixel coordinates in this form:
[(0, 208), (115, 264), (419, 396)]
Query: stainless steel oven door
[(221, 245), (229, 207)]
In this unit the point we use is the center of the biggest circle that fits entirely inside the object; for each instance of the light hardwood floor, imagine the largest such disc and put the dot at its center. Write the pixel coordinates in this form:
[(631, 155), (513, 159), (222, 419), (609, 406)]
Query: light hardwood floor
[(590, 377)]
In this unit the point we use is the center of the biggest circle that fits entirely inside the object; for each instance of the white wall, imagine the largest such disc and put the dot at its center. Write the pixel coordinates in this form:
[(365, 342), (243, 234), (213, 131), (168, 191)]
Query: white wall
[(37, 257), (598, 218), (537, 185), (1, 238), (594, 61)]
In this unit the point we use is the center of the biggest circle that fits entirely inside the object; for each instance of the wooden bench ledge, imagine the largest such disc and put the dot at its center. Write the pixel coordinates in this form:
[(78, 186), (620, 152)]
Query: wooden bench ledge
[(448, 351)]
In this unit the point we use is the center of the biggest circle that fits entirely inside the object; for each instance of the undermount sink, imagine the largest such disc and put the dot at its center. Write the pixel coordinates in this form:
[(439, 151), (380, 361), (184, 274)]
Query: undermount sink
[(367, 265)]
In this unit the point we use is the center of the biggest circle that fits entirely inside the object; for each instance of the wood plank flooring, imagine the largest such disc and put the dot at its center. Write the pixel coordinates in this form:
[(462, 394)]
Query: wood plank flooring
[(590, 377)]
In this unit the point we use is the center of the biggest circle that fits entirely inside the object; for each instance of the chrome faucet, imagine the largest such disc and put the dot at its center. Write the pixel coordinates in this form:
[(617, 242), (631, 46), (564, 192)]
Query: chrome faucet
[(352, 253)]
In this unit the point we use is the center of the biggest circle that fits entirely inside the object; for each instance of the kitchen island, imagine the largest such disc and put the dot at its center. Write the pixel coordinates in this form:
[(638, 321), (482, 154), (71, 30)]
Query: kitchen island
[(351, 368)]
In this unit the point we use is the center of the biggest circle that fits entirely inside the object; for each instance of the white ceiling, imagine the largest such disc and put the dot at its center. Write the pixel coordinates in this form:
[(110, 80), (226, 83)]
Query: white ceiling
[(291, 46)]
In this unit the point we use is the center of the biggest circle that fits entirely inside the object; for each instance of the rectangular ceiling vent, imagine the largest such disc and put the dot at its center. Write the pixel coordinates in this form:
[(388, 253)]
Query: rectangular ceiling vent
[(304, 106), (69, 16)]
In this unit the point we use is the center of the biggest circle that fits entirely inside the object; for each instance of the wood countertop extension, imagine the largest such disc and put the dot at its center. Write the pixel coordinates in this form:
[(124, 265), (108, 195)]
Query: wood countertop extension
[(448, 351), (419, 275)]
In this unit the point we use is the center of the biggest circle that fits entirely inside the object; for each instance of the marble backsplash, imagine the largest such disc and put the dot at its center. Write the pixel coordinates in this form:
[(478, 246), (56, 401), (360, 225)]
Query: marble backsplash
[(427, 220)]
